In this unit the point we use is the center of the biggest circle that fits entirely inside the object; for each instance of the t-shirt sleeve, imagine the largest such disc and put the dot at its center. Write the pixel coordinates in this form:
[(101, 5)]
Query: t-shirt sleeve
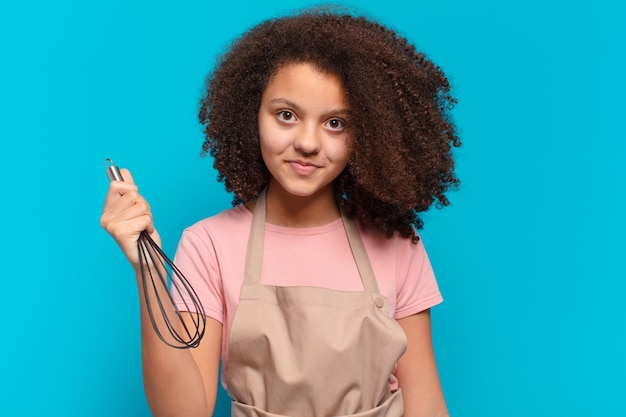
[(195, 258), (417, 287)]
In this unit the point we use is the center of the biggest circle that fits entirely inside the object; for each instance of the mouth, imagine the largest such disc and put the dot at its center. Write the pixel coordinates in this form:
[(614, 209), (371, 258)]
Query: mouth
[(302, 167)]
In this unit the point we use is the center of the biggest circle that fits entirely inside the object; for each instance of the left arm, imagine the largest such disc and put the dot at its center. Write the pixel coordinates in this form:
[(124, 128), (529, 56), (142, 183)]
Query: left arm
[(417, 372)]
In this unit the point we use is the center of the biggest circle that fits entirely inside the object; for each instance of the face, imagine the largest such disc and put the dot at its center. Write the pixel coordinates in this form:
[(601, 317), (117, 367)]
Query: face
[(303, 130)]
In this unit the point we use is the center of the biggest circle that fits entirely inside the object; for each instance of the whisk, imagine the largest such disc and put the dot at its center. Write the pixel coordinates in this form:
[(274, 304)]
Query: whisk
[(165, 275)]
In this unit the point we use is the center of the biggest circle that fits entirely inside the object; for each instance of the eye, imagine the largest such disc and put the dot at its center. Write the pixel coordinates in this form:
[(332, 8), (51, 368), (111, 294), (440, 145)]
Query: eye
[(336, 124), (286, 116)]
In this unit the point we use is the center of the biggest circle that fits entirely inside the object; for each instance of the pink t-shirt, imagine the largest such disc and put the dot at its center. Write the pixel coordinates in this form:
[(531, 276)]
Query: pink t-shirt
[(211, 254)]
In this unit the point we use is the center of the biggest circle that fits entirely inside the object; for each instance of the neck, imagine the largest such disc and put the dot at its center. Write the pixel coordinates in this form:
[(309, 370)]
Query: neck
[(284, 209)]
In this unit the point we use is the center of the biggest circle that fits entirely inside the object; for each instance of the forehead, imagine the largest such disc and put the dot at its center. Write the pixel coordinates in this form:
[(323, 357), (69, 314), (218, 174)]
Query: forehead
[(305, 81)]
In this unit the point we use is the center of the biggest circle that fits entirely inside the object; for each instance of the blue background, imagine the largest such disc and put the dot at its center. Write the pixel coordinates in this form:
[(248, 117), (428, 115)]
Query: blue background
[(530, 256)]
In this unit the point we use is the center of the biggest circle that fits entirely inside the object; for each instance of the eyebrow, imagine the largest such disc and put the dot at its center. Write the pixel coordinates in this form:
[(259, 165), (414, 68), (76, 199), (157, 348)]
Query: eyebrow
[(289, 103)]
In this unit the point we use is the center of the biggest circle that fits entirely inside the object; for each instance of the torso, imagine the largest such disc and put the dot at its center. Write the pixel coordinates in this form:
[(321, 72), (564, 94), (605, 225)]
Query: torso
[(212, 256)]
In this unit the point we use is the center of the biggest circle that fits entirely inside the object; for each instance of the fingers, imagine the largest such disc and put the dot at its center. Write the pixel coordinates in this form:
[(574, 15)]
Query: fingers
[(126, 175), (125, 208), (138, 199), (126, 214), (124, 203), (120, 188)]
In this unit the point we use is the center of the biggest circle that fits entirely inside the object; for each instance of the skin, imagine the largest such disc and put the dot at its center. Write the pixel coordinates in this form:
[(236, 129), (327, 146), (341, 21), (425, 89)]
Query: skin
[(176, 382), (305, 143), (417, 371), (304, 140)]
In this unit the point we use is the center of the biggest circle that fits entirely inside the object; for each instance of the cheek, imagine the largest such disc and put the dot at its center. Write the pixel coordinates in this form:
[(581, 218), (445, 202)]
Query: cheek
[(340, 151), (271, 144), (272, 139), (265, 138)]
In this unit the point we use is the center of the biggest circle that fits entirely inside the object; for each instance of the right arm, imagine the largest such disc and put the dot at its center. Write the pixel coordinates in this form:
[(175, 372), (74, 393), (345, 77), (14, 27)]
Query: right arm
[(177, 382)]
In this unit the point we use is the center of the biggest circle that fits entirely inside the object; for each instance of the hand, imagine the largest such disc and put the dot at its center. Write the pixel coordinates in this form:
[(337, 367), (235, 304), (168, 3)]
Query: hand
[(125, 215)]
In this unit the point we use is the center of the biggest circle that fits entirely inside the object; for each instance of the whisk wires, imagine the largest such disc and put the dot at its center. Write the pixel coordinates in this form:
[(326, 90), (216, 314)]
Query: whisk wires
[(159, 276), (166, 278)]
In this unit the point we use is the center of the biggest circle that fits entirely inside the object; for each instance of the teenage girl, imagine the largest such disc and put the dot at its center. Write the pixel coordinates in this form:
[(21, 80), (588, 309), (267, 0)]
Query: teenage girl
[(333, 133)]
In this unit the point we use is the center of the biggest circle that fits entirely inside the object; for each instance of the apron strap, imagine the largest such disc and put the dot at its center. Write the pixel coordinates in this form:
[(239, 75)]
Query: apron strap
[(360, 255), (254, 254)]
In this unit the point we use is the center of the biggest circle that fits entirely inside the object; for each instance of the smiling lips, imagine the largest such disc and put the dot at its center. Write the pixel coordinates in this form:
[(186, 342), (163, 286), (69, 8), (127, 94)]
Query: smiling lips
[(302, 167)]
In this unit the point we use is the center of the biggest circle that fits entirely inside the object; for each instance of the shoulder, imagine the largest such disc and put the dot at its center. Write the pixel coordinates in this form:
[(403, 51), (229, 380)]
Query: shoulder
[(214, 242), (398, 245), (402, 255), (225, 223), (221, 233)]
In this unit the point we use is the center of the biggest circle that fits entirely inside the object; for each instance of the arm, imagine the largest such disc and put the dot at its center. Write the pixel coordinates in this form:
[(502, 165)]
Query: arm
[(417, 372), (181, 382), (177, 382)]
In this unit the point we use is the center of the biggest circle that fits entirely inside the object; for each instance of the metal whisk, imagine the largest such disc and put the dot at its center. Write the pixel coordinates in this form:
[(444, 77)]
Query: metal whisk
[(159, 273)]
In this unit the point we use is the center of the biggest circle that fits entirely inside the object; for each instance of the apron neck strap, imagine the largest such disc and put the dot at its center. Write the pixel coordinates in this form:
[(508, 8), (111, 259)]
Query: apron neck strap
[(254, 254)]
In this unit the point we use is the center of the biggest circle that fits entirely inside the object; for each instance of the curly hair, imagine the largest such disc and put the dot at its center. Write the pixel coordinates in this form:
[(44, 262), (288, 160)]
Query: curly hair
[(399, 102)]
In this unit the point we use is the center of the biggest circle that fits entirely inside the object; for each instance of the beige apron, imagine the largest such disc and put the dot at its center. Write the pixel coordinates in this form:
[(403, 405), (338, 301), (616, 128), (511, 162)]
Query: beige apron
[(311, 352)]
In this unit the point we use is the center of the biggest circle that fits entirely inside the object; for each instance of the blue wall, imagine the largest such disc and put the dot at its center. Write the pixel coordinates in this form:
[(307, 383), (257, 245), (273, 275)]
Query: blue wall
[(530, 256)]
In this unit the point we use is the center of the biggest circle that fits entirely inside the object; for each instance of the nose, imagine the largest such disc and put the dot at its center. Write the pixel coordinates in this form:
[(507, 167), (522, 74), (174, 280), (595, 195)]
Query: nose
[(308, 140)]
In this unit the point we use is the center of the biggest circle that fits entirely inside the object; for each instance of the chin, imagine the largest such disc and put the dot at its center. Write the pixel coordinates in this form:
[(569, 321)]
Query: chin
[(305, 191)]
